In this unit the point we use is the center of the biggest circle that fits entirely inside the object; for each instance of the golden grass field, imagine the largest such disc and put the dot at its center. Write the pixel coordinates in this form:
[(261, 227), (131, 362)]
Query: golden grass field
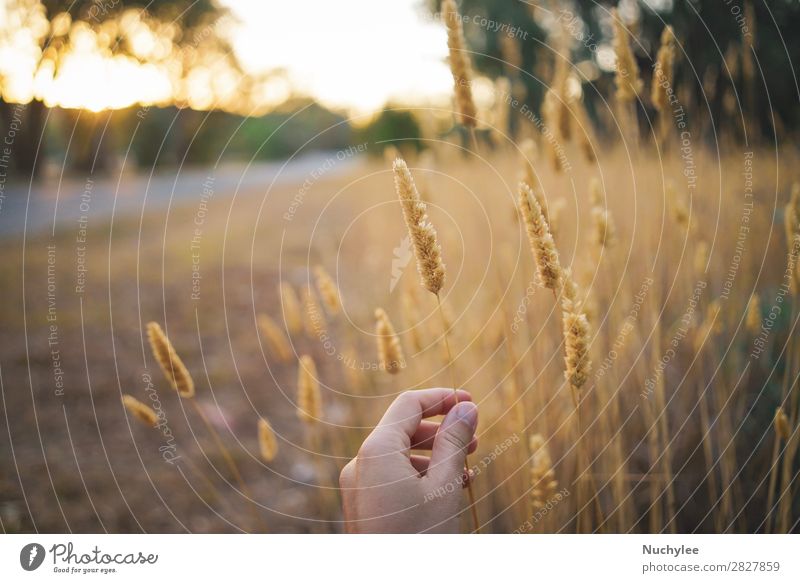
[(685, 446), (677, 413)]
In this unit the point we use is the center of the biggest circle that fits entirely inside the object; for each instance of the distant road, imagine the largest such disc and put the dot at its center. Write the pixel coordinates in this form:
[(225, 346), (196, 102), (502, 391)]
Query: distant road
[(51, 205)]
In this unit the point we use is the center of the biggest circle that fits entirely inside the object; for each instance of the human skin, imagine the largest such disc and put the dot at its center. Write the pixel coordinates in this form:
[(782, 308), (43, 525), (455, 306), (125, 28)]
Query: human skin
[(387, 489)]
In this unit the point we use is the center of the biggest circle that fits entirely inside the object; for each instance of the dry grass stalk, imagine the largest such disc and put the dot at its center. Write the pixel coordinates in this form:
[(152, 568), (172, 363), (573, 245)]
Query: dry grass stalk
[(390, 352), (173, 367), (576, 337), (142, 412), (791, 214), (585, 133), (753, 320), (540, 238), (460, 65), (700, 257), (551, 107), (267, 442), (677, 206), (276, 340), (528, 155), (663, 73), (605, 232), (328, 291), (543, 481), (315, 322), (626, 78), (561, 99), (431, 270), (782, 427), (309, 398), (292, 313), (423, 236)]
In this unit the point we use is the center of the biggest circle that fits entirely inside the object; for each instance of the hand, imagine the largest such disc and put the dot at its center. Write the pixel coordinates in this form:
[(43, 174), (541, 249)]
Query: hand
[(388, 489)]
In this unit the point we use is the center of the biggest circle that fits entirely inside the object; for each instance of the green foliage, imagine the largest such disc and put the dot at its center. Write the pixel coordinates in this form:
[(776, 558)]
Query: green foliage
[(391, 125)]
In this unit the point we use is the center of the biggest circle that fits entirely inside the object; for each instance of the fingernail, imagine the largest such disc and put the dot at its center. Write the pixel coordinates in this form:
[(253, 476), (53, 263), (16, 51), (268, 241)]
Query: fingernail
[(467, 413)]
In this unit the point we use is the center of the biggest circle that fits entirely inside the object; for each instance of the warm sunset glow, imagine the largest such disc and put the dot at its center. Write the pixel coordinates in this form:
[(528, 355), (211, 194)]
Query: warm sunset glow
[(341, 58)]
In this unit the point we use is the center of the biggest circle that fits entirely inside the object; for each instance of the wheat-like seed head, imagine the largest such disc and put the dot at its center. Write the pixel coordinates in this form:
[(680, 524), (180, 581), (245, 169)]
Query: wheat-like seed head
[(460, 65), (677, 206), (793, 265), (423, 236), (540, 238), (583, 129), (328, 291), (753, 320), (782, 427), (139, 410), (309, 398), (171, 364), (576, 336), (276, 339), (627, 72), (663, 73), (551, 106), (711, 324), (791, 215), (528, 153), (267, 442), (561, 99), (314, 316), (543, 481), (291, 308), (390, 351), (700, 257)]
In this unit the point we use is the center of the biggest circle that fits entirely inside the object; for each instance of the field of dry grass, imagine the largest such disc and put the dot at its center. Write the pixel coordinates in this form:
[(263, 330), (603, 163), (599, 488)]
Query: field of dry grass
[(677, 413)]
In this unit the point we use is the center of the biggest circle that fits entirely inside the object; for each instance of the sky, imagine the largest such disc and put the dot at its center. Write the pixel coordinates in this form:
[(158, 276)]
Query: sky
[(356, 54)]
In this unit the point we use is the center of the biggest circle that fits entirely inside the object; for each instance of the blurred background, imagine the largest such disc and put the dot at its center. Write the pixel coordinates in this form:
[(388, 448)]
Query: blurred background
[(176, 161)]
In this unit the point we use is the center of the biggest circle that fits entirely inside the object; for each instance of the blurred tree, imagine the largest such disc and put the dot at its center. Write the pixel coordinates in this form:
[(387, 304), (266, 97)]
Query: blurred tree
[(717, 70), (390, 124), (181, 35)]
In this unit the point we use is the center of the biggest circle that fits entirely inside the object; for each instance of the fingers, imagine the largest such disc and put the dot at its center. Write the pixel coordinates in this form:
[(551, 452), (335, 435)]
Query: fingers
[(451, 443), (420, 463), (403, 417), (426, 432)]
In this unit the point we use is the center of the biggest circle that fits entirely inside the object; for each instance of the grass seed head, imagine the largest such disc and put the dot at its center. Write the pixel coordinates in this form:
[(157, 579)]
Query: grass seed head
[(390, 351), (276, 340), (309, 398), (460, 65), (171, 364), (139, 410), (782, 427), (328, 291), (267, 442), (423, 236), (541, 240)]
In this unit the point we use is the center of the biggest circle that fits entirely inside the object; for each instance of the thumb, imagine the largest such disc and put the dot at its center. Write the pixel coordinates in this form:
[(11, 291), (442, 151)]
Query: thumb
[(451, 442)]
